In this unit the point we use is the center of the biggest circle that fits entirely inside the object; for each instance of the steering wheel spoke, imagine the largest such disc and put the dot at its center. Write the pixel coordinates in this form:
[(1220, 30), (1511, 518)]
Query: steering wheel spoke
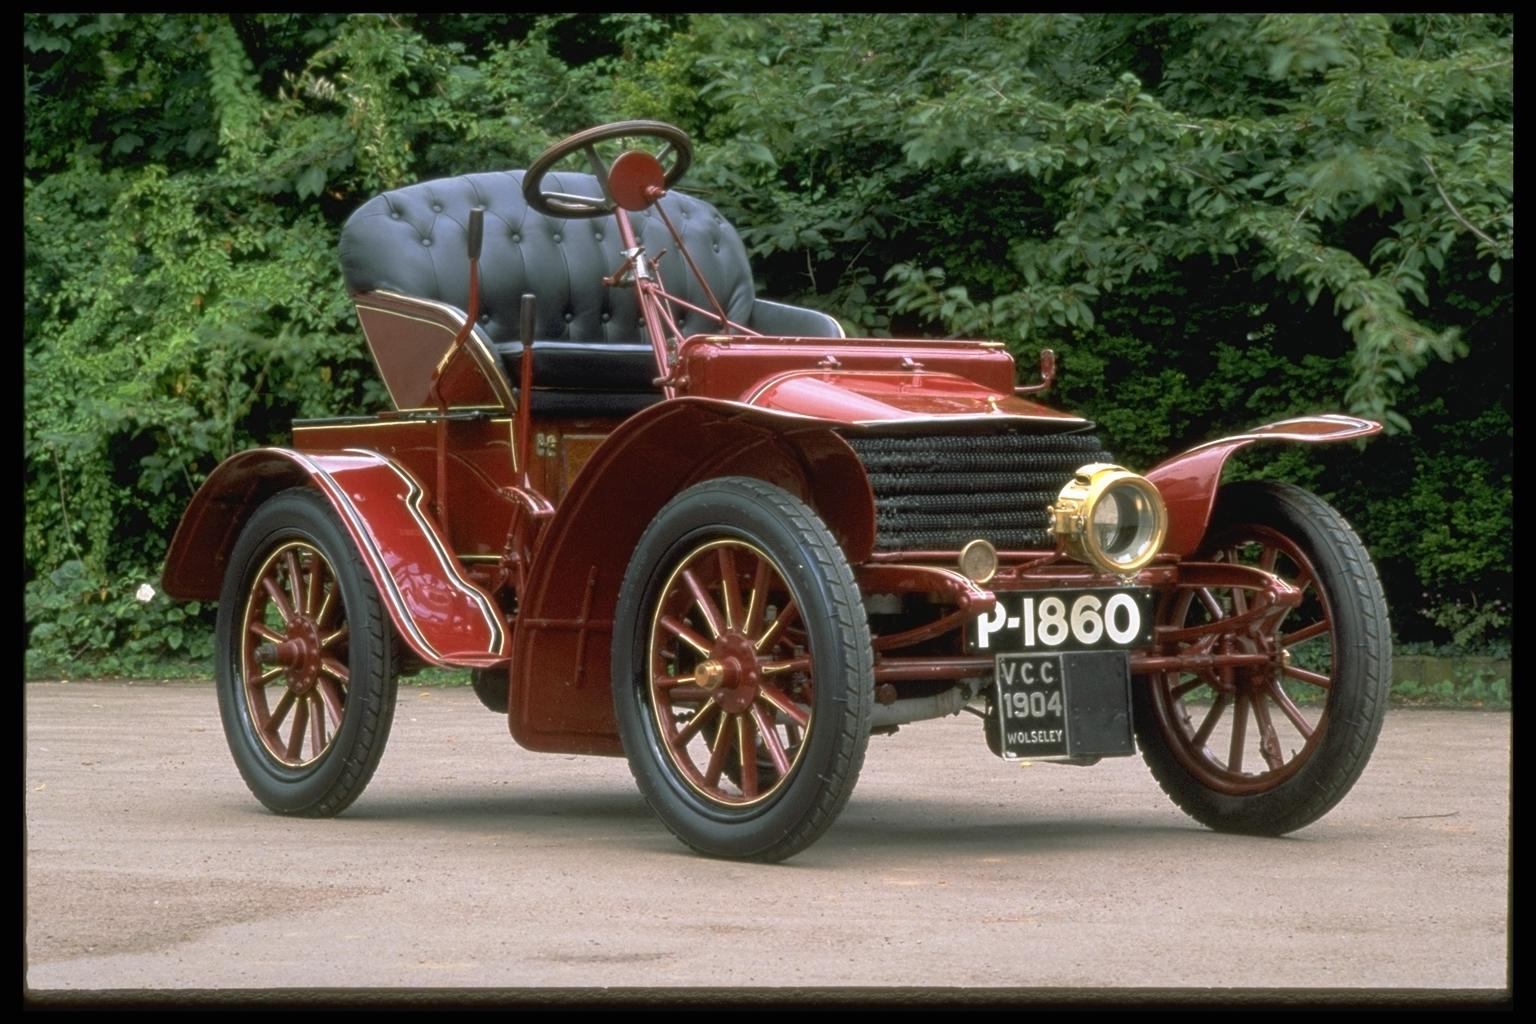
[(675, 144)]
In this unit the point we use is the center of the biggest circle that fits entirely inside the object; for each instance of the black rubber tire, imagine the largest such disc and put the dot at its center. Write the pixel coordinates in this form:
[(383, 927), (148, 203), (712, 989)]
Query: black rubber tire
[(492, 686), (1351, 719), (329, 783), (810, 562)]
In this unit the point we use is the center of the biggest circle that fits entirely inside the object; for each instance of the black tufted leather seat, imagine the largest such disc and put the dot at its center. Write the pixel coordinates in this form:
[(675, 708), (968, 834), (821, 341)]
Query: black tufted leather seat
[(591, 355)]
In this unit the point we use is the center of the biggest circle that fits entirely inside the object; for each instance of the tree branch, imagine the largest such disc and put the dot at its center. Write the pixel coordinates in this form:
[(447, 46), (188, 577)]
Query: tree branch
[(1452, 206)]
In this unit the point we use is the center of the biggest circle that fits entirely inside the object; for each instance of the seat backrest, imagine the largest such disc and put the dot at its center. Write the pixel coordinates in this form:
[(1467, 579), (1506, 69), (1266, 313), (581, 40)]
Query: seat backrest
[(413, 241)]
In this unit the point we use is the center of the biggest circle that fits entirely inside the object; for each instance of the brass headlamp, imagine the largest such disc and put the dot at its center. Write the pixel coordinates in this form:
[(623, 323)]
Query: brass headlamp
[(1110, 517)]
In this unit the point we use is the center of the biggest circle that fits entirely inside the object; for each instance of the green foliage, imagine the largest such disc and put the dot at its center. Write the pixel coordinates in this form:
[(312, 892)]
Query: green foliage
[(1216, 220)]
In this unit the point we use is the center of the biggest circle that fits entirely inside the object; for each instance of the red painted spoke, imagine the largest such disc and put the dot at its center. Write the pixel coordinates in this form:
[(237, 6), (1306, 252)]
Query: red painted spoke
[(266, 632), (1211, 718), (331, 638), (1211, 604), (773, 668), (705, 602), (300, 723), (330, 695), (278, 598), (334, 667), (746, 740), (316, 585), (1306, 676), (1267, 559), (316, 727), (1305, 633), (719, 747), (666, 682), (786, 615), (755, 603), (779, 699), (686, 635), (700, 719), (269, 675), (1179, 691), (295, 581), (1269, 742), (279, 712), (1283, 700), (1239, 732), (325, 605), (776, 751), (684, 693), (730, 588)]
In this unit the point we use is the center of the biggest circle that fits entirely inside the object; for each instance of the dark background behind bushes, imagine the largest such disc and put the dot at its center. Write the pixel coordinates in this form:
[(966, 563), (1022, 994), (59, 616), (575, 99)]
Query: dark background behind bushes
[(1214, 220)]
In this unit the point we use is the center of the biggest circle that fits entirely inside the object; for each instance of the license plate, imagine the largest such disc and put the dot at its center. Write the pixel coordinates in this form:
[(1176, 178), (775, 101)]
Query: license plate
[(1031, 705), (1046, 621), (1075, 704)]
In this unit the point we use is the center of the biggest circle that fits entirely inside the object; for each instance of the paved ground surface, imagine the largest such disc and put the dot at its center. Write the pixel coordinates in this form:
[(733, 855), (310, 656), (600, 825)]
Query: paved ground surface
[(470, 862)]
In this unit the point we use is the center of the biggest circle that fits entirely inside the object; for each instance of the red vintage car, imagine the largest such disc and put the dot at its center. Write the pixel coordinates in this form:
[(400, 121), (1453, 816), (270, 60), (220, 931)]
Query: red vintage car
[(660, 517)]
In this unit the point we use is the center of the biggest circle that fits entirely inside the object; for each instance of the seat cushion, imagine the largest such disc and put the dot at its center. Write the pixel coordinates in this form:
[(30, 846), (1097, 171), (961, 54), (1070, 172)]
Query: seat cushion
[(413, 241)]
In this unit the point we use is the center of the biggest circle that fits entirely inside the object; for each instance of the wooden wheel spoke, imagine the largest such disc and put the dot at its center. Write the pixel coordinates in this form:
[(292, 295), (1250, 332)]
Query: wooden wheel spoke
[(1318, 628), (780, 700), (730, 588), (1178, 692), (316, 725), (269, 675), (756, 604), (1267, 559), (1288, 706), (719, 747), (330, 696), (686, 693), (279, 599), (316, 586), (1308, 676), (667, 682), (266, 632), (773, 668), (1269, 741), (788, 614), (671, 624), (705, 603), (326, 603), (295, 582), (1211, 718), (776, 752), (300, 725), (1239, 732), (331, 638), (279, 712), (334, 668), (700, 719), (746, 743)]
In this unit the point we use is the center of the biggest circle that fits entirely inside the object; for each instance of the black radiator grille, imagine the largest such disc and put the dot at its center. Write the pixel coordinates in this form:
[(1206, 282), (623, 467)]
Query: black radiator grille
[(937, 493)]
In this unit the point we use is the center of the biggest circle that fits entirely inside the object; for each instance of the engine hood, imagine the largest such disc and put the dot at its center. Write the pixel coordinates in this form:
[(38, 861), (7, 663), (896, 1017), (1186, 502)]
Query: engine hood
[(880, 397)]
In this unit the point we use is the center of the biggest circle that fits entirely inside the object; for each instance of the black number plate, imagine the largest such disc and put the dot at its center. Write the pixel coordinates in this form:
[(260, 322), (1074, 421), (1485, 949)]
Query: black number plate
[(1044, 621), (1031, 705)]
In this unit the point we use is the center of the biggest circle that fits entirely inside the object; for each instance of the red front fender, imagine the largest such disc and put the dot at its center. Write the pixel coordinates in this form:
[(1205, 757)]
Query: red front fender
[(445, 618), (1188, 481), (561, 687)]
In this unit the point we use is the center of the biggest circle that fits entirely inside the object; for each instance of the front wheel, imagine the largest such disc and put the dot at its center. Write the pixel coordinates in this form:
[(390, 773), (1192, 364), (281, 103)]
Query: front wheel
[(306, 660), (1269, 749), (742, 670)]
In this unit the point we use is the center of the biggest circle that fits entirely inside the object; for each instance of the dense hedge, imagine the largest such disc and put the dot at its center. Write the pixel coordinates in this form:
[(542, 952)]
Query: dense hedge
[(1215, 220)]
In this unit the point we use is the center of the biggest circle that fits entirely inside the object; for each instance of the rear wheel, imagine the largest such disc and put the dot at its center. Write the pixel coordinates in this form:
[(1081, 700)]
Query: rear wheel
[(743, 670), (1271, 749), (305, 661)]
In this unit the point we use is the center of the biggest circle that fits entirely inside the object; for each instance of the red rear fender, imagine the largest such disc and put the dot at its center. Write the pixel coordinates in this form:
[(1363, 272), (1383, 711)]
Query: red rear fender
[(445, 618)]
